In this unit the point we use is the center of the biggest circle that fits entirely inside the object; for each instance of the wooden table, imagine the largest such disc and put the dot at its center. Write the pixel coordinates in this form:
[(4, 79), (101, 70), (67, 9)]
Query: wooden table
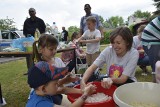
[(28, 56)]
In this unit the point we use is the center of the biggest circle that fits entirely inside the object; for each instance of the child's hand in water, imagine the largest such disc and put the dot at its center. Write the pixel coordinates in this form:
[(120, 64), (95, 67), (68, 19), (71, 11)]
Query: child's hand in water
[(89, 89), (106, 83)]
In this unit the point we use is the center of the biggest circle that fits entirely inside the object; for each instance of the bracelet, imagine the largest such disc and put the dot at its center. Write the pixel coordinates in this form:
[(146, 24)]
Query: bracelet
[(84, 97)]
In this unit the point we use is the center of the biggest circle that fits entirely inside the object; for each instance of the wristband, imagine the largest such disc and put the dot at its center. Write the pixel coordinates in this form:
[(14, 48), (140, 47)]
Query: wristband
[(84, 97)]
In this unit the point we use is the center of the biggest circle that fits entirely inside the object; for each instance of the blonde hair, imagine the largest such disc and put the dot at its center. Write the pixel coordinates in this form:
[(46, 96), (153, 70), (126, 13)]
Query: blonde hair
[(141, 28), (92, 19)]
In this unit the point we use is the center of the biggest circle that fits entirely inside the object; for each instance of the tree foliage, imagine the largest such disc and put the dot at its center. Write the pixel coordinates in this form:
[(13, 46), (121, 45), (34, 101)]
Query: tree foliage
[(72, 29), (116, 21), (140, 14), (157, 4), (7, 24), (105, 23), (101, 19), (157, 12)]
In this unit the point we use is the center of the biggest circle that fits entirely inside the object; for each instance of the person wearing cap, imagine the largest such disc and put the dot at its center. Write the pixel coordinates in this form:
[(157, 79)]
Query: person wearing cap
[(32, 23), (44, 78), (83, 24)]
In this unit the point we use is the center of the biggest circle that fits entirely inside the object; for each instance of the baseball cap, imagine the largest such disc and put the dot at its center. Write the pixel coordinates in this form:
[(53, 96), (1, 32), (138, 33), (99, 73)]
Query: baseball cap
[(87, 6), (43, 72), (32, 9)]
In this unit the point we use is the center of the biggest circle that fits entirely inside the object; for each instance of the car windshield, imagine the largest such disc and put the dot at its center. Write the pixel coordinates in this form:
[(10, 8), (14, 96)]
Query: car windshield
[(20, 33)]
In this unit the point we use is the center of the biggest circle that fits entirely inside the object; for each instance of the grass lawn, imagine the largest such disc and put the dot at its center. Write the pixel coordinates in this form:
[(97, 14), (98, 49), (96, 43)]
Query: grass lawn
[(14, 83)]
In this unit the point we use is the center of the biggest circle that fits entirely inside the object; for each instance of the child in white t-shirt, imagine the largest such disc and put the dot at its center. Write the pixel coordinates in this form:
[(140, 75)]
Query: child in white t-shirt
[(92, 38), (143, 61)]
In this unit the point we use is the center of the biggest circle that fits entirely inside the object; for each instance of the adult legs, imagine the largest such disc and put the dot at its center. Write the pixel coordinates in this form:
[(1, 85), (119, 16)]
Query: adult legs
[(143, 63), (154, 55)]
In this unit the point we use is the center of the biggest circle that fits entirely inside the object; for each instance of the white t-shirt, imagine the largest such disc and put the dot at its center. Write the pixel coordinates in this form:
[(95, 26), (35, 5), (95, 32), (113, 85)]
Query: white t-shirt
[(116, 66), (136, 42), (58, 62), (92, 47)]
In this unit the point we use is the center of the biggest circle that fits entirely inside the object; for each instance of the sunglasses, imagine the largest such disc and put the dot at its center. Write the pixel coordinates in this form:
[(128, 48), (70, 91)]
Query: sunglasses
[(86, 8)]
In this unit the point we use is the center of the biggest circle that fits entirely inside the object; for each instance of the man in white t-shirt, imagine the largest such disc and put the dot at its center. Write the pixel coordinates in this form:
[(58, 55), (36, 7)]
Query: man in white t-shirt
[(92, 38)]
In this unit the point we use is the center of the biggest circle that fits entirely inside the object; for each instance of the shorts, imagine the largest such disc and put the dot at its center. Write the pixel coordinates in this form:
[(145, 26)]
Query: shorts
[(90, 58)]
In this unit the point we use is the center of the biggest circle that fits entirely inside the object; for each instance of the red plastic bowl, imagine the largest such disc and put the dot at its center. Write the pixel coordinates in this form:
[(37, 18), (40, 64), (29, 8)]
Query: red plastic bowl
[(100, 89)]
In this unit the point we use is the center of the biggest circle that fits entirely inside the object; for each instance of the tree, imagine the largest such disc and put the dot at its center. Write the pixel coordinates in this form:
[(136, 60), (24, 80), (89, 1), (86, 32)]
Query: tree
[(157, 4), (140, 14), (106, 24), (72, 29), (116, 21), (101, 19), (157, 12), (7, 24)]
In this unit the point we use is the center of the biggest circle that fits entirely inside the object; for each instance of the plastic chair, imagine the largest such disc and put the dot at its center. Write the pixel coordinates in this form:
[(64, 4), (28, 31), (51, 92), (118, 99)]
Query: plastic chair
[(81, 65)]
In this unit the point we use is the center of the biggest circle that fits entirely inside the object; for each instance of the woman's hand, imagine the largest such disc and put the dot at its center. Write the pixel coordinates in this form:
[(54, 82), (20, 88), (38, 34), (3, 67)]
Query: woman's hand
[(106, 83)]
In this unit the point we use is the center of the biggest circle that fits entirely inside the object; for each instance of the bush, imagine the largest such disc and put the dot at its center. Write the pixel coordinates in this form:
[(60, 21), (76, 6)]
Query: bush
[(106, 37), (131, 28)]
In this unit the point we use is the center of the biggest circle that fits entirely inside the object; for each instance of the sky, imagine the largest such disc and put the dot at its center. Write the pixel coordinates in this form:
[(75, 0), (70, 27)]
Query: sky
[(69, 12)]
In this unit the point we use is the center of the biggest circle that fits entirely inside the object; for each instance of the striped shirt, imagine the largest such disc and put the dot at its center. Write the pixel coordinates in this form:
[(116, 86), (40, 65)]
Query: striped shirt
[(151, 33)]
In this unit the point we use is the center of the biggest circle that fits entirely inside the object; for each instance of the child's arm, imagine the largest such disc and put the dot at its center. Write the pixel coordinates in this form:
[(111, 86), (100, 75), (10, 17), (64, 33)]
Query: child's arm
[(90, 89), (66, 90), (67, 79), (79, 39), (91, 40), (97, 38)]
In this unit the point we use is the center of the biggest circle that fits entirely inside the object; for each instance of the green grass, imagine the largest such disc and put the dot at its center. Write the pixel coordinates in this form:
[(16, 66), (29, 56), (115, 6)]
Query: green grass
[(14, 83)]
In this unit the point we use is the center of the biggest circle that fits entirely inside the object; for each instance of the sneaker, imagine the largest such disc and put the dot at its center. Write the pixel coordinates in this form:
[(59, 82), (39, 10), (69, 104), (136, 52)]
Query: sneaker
[(144, 74), (153, 73)]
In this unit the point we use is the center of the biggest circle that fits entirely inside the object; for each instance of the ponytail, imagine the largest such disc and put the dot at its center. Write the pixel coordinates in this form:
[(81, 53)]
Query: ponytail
[(36, 55), (44, 41)]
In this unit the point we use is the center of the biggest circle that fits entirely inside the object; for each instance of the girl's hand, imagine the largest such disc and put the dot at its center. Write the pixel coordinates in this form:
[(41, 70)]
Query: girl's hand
[(106, 83), (83, 85), (89, 89), (67, 79), (78, 40), (82, 55)]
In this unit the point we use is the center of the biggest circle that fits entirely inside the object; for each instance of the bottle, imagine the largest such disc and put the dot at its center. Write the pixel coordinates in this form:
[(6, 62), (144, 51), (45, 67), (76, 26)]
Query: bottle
[(37, 34)]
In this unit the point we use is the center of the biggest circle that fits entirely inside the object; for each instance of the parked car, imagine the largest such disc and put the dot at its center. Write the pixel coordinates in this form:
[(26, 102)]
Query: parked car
[(6, 38)]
